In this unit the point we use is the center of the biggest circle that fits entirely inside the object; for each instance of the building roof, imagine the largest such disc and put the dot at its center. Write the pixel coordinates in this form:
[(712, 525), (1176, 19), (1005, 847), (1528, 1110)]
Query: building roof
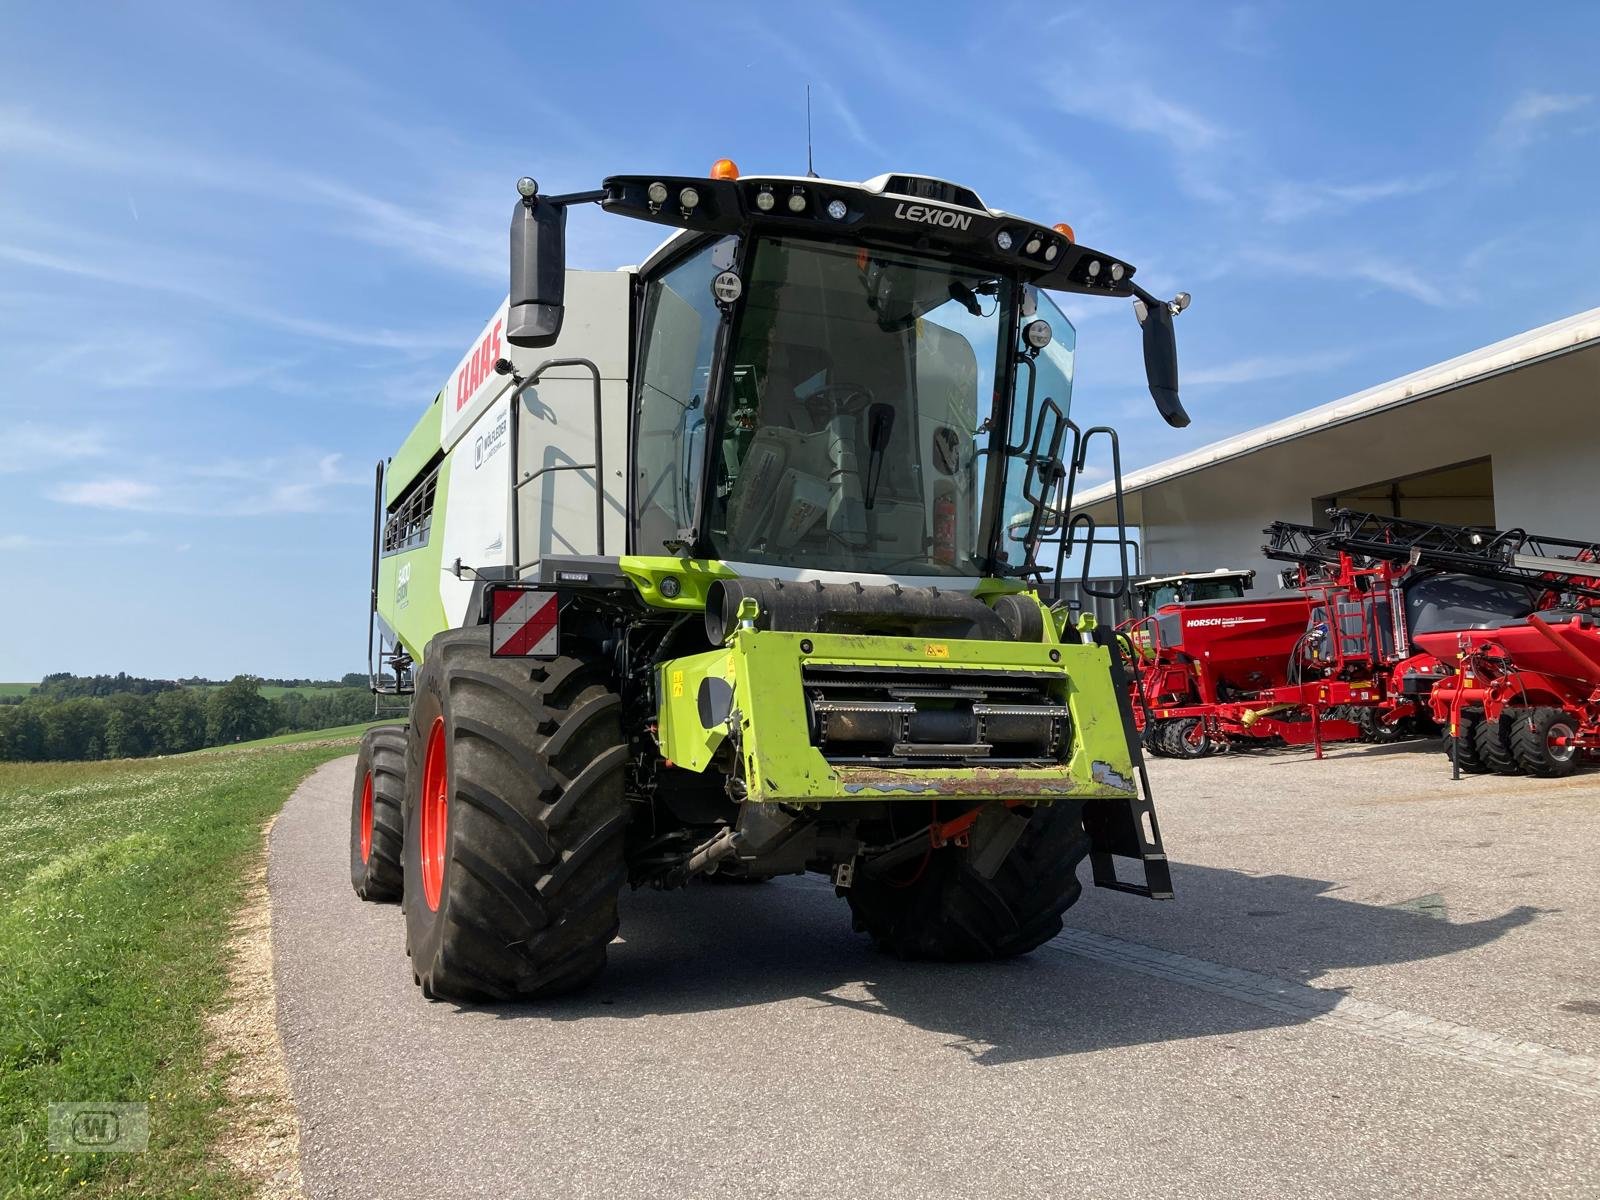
[(1548, 341)]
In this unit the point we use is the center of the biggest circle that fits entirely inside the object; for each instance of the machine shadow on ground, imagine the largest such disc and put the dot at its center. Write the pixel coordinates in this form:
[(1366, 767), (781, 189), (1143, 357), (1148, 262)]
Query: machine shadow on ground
[(1423, 747), (1426, 751), (716, 948)]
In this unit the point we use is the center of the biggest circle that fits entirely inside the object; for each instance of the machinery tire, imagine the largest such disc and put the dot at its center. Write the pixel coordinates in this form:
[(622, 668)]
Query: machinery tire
[(1465, 744), (515, 819), (1492, 741), (376, 829), (946, 912), (1530, 742), (1373, 728), (1155, 739), (1181, 742)]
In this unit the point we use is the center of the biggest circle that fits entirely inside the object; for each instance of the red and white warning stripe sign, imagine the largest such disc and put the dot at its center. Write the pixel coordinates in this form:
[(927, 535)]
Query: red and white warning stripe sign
[(523, 624)]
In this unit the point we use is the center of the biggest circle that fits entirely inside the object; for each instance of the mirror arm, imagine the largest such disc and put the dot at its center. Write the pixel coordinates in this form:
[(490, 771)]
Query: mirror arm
[(570, 198)]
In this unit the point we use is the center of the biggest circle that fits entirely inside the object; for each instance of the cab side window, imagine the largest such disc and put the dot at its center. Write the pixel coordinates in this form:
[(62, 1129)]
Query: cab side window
[(680, 323)]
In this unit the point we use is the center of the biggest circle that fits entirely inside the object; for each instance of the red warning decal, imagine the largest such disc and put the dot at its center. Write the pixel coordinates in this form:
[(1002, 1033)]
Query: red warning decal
[(523, 624)]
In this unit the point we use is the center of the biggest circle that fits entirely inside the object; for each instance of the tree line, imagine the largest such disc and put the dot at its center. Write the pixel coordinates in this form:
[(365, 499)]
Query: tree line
[(64, 685), (133, 723)]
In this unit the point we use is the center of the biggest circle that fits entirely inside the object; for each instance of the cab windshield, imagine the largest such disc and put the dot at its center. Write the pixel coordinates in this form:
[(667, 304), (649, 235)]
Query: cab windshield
[(856, 419)]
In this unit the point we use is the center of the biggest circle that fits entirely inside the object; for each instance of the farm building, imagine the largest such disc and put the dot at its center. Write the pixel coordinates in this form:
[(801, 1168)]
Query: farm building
[(1508, 435)]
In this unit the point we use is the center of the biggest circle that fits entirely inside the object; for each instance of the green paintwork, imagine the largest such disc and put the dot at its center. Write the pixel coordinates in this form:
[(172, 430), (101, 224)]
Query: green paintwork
[(780, 764), (423, 614), (696, 575), (415, 453)]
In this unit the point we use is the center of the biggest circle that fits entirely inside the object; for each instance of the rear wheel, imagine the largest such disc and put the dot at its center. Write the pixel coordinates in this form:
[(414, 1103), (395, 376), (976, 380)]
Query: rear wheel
[(376, 834), (1463, 745), (1541, 739), (1492, 741), (940, 908), (514, 843), (1187, 738)]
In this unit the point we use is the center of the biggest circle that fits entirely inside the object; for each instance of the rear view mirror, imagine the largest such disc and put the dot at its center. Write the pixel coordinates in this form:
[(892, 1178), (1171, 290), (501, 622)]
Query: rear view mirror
[(1161, 357), (538, 269)]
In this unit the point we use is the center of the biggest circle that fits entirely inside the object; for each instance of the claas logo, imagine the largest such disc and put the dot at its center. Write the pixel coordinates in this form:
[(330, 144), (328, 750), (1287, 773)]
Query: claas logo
[(477, 368)]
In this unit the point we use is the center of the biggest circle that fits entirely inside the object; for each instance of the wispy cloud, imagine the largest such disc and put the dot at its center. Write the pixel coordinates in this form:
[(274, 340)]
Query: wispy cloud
[(453, 242), (1289, 200), (1138, 108), (447, 234), (812, 70), (35, 447), (108, 493), (1529, 119), (28, 541), (162, 357), (1360, 266), (1260, 368), (119, 263), (306, 483)]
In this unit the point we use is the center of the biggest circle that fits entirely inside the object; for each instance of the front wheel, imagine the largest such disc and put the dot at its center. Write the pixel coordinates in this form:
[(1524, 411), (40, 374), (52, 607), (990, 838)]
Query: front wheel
[(1492, 741), (1463, 745), (514, 836), (940, 908)]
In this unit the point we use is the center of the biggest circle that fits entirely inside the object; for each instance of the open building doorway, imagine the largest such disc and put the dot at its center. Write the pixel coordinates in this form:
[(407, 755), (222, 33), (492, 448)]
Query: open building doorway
[(1462, 494)]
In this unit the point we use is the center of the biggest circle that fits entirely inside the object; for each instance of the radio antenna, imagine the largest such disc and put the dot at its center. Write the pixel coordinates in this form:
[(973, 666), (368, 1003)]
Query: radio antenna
[(811, 172)]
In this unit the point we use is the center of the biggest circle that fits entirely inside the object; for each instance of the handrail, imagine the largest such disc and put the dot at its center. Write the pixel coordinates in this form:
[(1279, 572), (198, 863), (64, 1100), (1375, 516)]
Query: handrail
[(377, 546), (597, 466)]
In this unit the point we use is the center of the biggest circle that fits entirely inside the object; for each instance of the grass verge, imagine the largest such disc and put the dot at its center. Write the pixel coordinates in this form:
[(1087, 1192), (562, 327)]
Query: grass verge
[(118, 883), (343, 734)]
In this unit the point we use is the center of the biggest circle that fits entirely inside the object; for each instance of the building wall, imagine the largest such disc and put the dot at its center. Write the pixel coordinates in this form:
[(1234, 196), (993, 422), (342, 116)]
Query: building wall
[(1539, 425)]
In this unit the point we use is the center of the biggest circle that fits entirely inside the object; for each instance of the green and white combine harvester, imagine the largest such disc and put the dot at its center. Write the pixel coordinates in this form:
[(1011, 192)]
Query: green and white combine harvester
[(724, 567)]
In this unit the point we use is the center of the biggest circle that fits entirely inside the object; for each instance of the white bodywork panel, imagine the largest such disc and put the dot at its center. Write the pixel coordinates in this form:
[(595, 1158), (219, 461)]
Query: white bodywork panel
[(477, 507), (556, 508)]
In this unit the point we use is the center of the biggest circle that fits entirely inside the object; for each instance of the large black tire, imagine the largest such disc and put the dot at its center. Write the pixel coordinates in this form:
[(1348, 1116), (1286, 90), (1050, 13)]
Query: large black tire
[(1492, 741), (1465, 743), (1373, 729), (945, 911), (522, 901), (1155, 739), (1187, 738), (1530, 742), (376, 827)]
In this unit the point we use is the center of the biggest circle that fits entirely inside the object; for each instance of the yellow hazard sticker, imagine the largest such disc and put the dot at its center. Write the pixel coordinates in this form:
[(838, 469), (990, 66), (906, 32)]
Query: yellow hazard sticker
[(677, 684), (936, 650)]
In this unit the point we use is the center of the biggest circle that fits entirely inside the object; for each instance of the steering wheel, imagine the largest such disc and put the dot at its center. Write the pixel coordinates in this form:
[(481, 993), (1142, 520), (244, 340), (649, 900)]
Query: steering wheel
[(839, 399)]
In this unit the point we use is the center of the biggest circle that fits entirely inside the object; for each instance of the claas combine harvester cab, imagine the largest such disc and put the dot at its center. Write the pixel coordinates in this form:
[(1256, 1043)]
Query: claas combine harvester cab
[(712, 569)]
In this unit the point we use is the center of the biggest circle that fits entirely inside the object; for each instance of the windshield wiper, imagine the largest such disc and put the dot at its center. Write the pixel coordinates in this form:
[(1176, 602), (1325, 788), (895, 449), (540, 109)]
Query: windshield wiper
[(880, 423)]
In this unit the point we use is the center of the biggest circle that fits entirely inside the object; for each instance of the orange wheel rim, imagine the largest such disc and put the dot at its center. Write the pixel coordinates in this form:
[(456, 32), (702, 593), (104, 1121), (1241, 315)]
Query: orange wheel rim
[(366, 818), (435, 814)]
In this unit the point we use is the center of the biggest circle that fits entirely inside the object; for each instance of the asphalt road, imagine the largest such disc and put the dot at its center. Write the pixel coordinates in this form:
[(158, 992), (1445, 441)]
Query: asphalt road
[(1373, 982)]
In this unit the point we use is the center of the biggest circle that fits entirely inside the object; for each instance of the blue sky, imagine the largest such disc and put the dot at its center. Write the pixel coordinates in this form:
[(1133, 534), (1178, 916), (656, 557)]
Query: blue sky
[(242, 246)]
